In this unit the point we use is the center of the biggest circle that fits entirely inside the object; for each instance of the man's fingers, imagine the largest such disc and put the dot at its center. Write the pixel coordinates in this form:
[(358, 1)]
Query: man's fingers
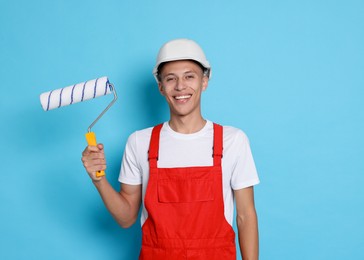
[(93, 148), (90, 149), (96, 167), (95, 155), (93, 159)]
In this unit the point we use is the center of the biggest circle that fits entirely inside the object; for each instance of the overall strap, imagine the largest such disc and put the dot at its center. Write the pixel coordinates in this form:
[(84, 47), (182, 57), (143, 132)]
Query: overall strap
[(154, 146), (218, 144)]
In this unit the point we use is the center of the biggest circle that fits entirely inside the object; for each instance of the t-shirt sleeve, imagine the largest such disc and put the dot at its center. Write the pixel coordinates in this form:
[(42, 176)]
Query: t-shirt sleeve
[(130, 172), (244, 173)]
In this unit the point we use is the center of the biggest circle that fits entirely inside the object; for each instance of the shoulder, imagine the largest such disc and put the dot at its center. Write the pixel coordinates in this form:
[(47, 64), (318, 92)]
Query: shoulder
[(140, 134), (140, 137), (234, 134)]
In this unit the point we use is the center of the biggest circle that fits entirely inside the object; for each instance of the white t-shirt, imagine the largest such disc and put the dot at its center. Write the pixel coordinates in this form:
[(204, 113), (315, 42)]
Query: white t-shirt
[(184, 150)]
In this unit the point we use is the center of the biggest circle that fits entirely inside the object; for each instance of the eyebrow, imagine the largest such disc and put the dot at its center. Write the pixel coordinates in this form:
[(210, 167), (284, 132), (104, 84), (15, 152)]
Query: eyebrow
[(186, 72), (190, 71)]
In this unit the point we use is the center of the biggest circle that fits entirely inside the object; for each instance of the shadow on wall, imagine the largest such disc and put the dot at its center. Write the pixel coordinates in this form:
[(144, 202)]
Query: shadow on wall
[(150, 105)]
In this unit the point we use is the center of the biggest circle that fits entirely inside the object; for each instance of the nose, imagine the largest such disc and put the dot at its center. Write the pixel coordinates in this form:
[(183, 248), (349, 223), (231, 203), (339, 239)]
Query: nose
[(180, 85)]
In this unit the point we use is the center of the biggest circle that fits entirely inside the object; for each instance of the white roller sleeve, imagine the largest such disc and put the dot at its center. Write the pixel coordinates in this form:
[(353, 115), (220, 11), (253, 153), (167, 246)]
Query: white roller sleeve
[(75, 93)]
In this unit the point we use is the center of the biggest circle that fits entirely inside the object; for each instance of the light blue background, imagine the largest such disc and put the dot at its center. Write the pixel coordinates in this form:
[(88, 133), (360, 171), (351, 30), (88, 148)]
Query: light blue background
[(289, 73)]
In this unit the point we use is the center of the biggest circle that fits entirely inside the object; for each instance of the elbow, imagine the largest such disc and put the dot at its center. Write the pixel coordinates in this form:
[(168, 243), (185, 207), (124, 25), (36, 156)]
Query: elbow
[(127, 223), (240, 220), (247, 217)]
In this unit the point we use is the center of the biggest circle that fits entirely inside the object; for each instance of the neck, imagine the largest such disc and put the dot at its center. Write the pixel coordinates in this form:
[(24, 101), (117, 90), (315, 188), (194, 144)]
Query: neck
[(187, 125)]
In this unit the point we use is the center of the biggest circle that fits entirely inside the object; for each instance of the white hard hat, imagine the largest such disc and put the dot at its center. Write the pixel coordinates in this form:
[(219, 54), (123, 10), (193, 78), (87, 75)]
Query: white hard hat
[(181, 49)]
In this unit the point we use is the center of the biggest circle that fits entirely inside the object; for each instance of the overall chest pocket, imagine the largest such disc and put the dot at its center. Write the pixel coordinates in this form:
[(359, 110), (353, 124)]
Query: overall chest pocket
[(185, 190)]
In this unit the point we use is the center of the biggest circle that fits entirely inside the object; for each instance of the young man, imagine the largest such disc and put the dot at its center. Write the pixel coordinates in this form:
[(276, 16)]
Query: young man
[(185, 173)]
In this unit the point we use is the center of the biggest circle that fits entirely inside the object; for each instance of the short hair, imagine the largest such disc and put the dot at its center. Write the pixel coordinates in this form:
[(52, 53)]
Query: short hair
[(160, 67)]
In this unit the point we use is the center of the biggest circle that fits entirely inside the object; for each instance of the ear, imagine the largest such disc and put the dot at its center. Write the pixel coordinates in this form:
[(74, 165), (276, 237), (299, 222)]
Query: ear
[(205, 83), (161, 88)]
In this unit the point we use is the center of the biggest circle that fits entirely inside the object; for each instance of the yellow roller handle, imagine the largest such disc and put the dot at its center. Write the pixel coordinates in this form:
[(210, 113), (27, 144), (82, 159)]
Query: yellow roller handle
[(91, 140)]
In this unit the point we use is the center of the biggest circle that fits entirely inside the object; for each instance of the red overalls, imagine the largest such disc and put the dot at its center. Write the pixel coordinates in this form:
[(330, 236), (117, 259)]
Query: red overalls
[(186, 209)]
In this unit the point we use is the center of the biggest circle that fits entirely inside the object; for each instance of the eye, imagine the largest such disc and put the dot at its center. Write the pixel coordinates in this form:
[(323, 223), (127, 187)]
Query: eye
[(169, 79), (190, 76)]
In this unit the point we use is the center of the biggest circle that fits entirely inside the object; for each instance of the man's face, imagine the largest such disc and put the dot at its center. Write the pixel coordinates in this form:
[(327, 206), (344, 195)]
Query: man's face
[(181, 83)]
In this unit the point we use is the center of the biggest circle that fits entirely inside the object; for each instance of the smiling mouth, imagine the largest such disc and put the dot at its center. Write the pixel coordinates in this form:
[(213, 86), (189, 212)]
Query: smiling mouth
[(182, 97)]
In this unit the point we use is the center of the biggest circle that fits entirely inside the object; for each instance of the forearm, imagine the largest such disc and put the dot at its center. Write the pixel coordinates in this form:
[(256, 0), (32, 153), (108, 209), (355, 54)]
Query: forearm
[(248, 235), (116, 203)]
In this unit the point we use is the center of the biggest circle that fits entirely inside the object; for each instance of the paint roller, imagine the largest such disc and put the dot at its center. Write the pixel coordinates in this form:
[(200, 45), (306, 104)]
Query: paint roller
[(78, 93)]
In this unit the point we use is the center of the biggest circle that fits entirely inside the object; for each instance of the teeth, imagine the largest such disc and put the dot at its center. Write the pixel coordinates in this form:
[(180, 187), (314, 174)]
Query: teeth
[(182, 97)]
